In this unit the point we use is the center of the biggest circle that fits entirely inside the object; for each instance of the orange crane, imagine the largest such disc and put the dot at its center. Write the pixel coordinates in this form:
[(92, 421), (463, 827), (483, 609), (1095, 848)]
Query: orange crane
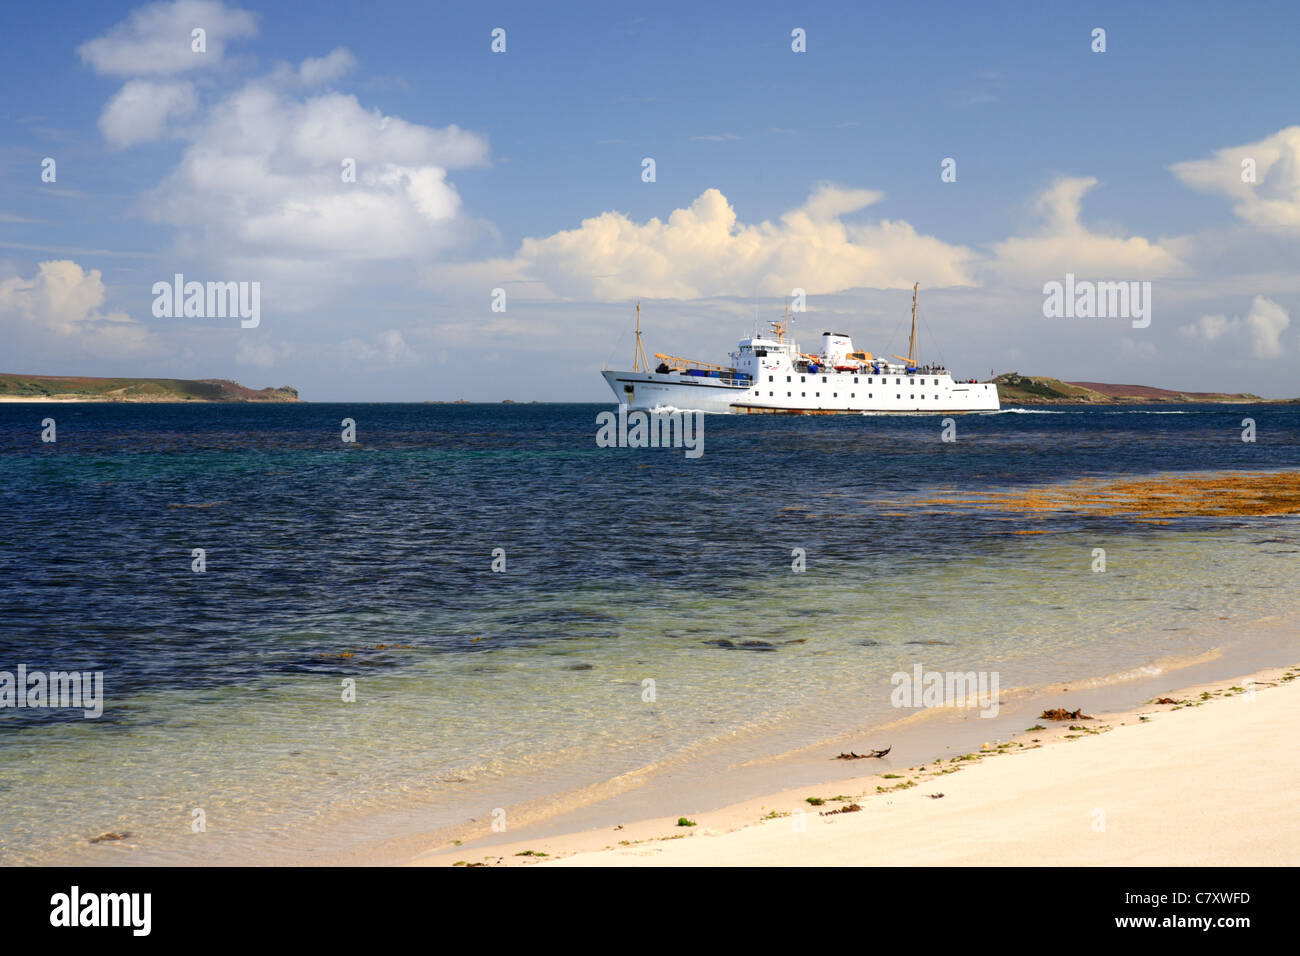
[(679, 364)]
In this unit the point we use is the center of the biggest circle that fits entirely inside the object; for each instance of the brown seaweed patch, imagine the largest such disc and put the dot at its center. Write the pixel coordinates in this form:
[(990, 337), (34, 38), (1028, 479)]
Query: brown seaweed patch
[(1245, 494), (1060, 713), (867, 756), (347, 655)]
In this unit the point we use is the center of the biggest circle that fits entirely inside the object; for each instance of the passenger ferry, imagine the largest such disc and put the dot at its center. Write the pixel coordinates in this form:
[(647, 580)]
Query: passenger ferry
[(770, 375)]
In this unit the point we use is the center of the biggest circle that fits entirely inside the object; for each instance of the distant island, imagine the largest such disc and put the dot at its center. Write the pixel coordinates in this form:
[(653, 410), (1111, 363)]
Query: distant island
[(1017, 389), (77, 388), (1013, 389)]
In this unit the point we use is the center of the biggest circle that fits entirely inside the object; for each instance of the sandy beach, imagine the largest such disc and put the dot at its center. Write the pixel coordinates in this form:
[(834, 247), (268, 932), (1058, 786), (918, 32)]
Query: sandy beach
[(44, 400), (1205, 780)]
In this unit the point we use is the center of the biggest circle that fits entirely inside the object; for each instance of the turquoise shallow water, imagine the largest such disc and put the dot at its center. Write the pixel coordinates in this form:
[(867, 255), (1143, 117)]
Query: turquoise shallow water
[(477, 690)]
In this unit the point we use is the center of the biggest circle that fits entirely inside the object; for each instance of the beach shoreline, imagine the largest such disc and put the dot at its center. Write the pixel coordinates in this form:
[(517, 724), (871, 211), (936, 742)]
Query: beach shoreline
[(722, 784), (1198, 782)]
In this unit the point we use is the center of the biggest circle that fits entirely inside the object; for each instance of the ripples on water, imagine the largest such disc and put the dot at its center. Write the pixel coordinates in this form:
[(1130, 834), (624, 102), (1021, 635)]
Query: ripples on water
[(373, 562)]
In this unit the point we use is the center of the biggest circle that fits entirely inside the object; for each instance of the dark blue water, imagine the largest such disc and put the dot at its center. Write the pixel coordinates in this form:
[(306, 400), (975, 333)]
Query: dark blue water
[(304, 533)]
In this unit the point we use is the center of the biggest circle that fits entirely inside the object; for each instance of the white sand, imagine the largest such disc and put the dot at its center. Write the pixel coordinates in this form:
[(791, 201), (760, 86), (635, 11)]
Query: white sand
[(45, 400), (1212, 784)]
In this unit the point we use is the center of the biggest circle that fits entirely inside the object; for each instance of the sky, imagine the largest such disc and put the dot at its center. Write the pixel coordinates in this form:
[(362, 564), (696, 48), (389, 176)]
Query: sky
[(501, 222)]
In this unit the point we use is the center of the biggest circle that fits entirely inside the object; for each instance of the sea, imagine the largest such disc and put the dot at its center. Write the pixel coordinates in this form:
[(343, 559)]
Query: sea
[(311, 648)]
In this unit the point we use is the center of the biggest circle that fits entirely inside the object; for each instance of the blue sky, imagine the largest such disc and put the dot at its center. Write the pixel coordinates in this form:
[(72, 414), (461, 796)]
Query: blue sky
[(220, 166)]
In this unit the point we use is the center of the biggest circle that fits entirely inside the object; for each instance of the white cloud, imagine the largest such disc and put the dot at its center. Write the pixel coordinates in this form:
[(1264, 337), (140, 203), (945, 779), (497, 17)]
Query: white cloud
[(1262, 327), (1273, 200), (316, 72), (141, 109), (703, 250), (1210, 328), (156, 39), (1265, 322), (261, 179), (1064, 244), (60, 306)]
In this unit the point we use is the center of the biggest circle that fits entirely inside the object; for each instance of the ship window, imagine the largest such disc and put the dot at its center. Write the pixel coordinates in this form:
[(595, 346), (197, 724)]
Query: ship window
[(853, 394), (835, 394), (855, 380), (898, 381), (819, 394), (787, 394), (771, 378), (787, 378), (803, 394), (823, 379), (898, 396), (802, 379)]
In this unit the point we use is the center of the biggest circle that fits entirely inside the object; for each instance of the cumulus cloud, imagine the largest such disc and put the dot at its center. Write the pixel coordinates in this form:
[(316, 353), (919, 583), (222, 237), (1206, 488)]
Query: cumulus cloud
[(157, 39), (704, 250), (61, 305), (1064, 244), (270, 176), (1273, 199), (315, 72), (140, 110), (262, 178), (1262, 328), (1210, 328)]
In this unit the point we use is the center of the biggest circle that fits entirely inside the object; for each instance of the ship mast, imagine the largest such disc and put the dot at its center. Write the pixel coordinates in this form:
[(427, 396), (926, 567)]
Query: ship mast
[(639, 358), (779, 328), (911, 346)]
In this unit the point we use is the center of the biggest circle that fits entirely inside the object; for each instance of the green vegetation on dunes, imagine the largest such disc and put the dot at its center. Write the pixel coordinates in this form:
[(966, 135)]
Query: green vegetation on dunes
[(1021, 389)]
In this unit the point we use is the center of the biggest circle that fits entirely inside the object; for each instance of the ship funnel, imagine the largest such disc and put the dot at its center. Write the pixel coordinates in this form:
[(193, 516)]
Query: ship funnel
[(836, 347)]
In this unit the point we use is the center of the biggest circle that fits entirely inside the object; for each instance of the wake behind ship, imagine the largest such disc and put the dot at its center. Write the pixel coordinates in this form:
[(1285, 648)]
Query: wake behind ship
[(770, 375)]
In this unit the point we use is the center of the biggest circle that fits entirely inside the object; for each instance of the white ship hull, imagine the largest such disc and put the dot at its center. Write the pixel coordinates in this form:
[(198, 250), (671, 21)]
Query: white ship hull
[(817, 394), (771, 375)]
